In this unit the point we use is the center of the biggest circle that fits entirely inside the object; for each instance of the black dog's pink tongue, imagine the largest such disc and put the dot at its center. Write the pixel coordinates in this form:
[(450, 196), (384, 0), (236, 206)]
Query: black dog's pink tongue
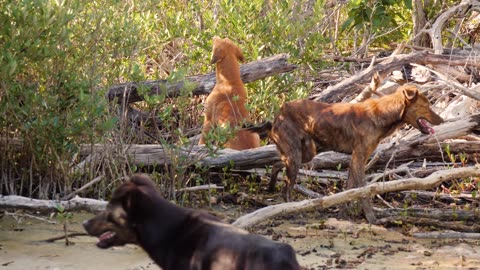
[(427, 126), (105, 236)]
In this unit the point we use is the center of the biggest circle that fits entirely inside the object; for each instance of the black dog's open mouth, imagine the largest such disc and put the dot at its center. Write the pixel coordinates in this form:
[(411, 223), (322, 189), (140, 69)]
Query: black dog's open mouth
[(106, 239), (425, 126)]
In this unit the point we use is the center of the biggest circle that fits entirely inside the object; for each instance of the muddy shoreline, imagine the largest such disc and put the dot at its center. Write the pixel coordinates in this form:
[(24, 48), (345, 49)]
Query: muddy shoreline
[(329, 244)]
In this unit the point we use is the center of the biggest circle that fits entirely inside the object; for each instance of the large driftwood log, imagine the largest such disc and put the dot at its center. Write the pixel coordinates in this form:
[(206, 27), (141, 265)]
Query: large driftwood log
[(202, 84), (413, 146), (351, 85), (75, 204), (353, 194)]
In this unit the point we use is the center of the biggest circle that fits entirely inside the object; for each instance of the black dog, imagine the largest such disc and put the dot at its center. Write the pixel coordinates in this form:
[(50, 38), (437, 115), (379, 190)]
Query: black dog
[(182, 239)]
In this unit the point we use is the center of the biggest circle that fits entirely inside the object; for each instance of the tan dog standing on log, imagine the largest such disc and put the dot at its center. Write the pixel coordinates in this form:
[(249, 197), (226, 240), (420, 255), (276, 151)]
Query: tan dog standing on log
[(225, 106), (304, 127)]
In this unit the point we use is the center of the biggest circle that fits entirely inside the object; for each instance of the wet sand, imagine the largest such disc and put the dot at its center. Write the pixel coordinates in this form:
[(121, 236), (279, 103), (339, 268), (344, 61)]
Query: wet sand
[(331, 245)]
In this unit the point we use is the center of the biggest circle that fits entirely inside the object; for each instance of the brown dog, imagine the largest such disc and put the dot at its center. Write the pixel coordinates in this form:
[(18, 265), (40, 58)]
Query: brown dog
[(225, 106), (177, 238), (304, 127)]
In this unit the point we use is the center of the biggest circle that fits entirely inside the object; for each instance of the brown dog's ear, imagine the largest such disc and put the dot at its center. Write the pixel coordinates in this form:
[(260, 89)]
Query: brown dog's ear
[(410, 92), (239, 55), (217, 54)]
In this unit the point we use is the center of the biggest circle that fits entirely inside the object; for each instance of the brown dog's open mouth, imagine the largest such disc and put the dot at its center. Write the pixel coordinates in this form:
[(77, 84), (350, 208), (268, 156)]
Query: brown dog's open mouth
[(424, 126), (106, 239)]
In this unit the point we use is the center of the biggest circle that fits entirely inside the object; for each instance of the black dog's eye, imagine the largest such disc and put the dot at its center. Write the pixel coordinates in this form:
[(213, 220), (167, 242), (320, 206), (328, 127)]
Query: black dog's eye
[(110, 218), (113, 220)]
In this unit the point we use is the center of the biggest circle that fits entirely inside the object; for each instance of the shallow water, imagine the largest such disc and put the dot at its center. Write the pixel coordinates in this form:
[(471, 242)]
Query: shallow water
[(332, 245)]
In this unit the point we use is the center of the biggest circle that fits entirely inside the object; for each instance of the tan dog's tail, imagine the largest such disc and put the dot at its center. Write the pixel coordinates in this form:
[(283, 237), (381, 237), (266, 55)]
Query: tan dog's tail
[(263, 130)]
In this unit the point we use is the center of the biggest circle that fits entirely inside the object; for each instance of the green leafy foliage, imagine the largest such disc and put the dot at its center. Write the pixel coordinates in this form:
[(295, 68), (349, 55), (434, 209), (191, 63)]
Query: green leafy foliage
[(377, 17), (59, 57)]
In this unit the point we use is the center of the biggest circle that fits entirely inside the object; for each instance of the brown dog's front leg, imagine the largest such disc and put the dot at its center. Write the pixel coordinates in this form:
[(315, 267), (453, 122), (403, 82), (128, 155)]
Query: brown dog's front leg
[(356, 178)]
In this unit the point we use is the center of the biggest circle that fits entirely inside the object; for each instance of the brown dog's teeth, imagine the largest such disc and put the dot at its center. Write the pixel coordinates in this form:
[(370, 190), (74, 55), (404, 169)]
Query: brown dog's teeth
[(426, 125)]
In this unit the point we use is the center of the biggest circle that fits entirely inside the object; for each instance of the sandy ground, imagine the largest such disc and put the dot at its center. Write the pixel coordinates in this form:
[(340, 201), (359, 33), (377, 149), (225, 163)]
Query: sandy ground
[(331, 245)]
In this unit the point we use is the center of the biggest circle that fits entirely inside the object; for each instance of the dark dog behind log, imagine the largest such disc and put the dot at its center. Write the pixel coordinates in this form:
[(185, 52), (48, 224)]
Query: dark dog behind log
[(304, 127), (177, 238)]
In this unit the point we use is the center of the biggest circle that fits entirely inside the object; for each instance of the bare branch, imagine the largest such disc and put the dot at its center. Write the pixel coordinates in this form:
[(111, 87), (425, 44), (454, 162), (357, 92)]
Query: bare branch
[(353, 194)]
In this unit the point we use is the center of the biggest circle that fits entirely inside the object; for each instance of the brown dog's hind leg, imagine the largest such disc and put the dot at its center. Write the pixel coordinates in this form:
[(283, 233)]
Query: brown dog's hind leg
[(292, 163), (276, 168)]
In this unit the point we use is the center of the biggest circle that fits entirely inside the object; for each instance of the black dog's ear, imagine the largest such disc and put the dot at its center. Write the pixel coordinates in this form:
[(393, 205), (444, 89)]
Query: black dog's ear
[(135, 194), (140, 179), (137, 198), (129, 195)]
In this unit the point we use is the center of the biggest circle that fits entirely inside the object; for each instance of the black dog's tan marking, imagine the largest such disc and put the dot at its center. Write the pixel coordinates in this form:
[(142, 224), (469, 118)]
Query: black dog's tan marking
[(182, 239)]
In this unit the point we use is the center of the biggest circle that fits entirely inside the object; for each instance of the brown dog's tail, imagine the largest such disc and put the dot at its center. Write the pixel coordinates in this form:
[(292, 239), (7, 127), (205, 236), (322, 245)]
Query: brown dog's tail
[(263, 130)]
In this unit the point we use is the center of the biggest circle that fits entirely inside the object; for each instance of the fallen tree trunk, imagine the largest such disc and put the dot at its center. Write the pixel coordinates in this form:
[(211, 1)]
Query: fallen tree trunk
[(350, 86), (414, 145), (75, 204), (202, 84), (353, 194)]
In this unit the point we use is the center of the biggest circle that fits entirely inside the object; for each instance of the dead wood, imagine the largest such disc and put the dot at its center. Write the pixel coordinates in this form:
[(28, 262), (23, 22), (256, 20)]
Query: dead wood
[(469, 92), (325, 177), (429, 196), (446, 235), (75, 204), (354, 194), (417, 145), (413, 146), (307, 192), (201, 187), (368, 91), (428, 222), (56, 238), (401, 169), (450, 129), (201, 84), (352, 85), (435, 32), (84, 187), (18, 216), (432, 213)]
